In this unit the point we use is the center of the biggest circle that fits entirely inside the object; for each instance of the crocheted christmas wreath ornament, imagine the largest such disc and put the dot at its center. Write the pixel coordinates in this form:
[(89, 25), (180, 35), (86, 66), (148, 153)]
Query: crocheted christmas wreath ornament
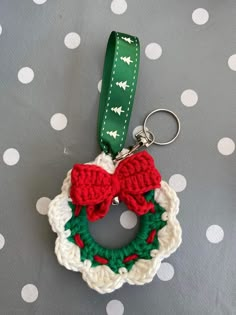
[(87, 193)]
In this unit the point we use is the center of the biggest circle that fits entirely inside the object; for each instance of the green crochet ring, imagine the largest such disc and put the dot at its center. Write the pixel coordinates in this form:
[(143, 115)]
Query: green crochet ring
[(106, 270), (139, 248)]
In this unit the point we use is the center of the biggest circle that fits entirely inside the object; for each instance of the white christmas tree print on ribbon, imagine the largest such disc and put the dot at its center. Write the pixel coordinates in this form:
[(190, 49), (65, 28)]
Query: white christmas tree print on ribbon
[(113, 134), (117, 110), (122, 85), (116, 104), (127, 39), (127, 60)]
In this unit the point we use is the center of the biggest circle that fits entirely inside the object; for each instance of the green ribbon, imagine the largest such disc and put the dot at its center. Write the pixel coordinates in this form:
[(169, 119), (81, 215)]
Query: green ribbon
[(119, 81)]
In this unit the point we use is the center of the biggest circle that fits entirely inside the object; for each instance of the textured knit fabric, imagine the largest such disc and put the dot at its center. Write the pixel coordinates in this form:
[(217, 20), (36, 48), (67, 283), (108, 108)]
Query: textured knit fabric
[(95, 188), (103, 269)]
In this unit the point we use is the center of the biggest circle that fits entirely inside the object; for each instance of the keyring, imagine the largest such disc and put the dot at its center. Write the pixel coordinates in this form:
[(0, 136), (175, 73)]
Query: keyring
[(145, 128)]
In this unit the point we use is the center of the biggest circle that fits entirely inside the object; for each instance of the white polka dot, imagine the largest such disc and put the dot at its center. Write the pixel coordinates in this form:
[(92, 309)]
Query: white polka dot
[(2, 241), (128, 219), (42, 205), (153, 51), (25, 75), (40, 1), (232, 62), (178, 182), (11, 156), (214, 234), (29, 293), (100, 86), (200, 16), (0, 29), (165, 272), (72, 40), (58, 121), (115, 307), (189, 98), (118, 6), (226, 146)]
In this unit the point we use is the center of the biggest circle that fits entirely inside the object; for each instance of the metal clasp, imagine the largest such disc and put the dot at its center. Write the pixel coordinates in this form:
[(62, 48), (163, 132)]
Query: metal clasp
[(143, 140), (145, 137)]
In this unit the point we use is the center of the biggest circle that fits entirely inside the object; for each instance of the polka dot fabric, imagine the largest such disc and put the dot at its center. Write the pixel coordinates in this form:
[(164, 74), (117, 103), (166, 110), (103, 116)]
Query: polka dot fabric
[(58, 121), (51, 66), (153, 51), (2, 241), (128, 219), (25, 75), (72, 40), (165, 272), (29, 293), (200, 16)]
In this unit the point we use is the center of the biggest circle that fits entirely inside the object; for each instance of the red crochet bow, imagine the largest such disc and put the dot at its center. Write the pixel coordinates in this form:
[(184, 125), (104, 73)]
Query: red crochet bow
[(95, 188)]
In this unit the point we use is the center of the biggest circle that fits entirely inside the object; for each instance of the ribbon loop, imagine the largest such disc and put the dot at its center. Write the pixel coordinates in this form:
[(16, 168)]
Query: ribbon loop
[(119, 81)]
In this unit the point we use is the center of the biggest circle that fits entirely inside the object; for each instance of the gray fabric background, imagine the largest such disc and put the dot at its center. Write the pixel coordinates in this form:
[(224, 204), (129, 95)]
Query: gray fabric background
[(194, 57)]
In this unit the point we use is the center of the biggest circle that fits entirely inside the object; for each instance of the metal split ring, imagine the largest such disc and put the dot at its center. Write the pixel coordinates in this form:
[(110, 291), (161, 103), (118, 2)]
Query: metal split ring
[(145, 128)]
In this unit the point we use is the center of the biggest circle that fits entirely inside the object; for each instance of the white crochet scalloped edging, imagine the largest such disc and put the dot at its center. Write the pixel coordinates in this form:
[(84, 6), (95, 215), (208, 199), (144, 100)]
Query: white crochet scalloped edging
[(102, 278)]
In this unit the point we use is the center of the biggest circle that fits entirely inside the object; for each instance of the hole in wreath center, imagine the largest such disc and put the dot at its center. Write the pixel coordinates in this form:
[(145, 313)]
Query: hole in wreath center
[(117, 229)]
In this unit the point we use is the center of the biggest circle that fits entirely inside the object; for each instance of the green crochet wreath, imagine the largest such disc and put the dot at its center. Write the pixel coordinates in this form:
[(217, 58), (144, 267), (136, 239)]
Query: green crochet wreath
[(139, 248)]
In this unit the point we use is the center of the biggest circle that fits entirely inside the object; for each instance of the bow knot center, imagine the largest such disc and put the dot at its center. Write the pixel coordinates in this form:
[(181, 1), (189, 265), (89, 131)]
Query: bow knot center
[(115, 185)]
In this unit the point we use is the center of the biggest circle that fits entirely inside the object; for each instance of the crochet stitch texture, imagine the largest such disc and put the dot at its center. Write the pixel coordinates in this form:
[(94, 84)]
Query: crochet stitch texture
[(140, 248), (95, 188), (100, 268)]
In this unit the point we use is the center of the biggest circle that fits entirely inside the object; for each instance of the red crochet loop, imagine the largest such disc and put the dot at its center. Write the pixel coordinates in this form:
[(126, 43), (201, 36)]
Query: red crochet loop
[(95, 188), (151, 236), (78, 210), (130, 257), (100, 259), (79, 241)]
